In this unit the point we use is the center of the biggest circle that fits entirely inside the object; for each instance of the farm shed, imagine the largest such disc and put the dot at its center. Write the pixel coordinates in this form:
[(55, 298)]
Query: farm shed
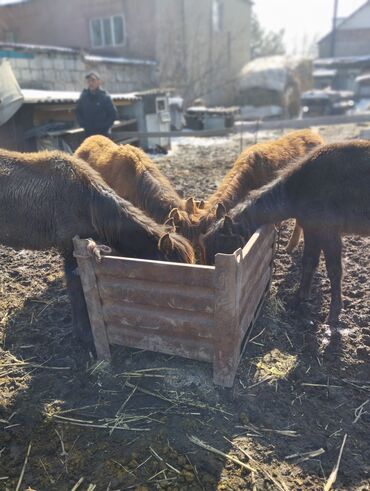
[(46, 119), (199, 312)]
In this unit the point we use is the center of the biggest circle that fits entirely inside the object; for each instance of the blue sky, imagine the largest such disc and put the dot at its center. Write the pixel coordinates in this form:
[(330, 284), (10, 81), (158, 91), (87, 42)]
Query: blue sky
[(303, 20)]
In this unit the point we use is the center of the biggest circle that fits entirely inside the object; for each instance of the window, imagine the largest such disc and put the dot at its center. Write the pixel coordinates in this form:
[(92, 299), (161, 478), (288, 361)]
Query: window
[(217, 15), (108, 31)]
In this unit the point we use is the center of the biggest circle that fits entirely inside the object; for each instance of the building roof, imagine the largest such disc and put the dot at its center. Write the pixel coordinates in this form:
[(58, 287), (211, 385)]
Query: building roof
[(343, 22), (118, 59), (87, 56), (34, 96), (5, 3), (324, 72), (37, 47), (343, 61)]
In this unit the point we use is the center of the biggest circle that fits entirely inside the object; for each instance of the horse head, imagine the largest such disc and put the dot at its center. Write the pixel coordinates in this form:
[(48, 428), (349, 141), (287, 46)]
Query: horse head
[(173, 247), (222, 237)]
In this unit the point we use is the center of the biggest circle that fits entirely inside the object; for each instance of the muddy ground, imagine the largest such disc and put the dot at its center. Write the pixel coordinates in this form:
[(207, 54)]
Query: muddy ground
[(88, 426)]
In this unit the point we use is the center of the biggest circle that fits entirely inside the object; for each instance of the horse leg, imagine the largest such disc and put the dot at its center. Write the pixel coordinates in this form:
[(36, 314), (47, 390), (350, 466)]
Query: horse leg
[(332, 247), (310, 261), (80, 317), (294, 239)]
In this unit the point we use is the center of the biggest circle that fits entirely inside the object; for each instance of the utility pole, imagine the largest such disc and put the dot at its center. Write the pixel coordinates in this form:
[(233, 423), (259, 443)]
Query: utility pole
[(334, 31)]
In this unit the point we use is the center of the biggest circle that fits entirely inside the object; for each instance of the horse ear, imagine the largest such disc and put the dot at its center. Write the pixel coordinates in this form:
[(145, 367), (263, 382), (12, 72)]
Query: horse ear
[(202, 204), (165, 243), (227, 226), (174, 213), (220, 211), (190, 205), (170, 222)]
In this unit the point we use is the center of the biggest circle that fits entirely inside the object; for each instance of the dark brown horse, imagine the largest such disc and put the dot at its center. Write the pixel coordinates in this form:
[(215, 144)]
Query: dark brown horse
[(133, 176), (328, 192), (47, 198), (256, 166)]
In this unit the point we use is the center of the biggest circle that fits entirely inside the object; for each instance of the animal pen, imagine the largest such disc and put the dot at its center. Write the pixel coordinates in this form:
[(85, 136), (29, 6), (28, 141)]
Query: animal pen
[(199, 312)]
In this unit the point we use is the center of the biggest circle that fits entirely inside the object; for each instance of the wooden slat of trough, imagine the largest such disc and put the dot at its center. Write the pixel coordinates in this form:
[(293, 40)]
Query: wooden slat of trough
[(187, 275), (252, 280), (91, 293), (149, 320), (226, 335), (196, 349), (129, 291), (258, 240), (254, 300)]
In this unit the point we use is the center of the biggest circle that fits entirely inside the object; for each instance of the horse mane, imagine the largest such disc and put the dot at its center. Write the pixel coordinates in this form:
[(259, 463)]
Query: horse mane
[(258, 162), (115, 220), (154, 192), (132, 174)]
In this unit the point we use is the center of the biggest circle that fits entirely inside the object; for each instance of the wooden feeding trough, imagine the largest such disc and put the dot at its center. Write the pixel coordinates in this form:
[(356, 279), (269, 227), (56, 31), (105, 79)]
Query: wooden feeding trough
[(199, 312)]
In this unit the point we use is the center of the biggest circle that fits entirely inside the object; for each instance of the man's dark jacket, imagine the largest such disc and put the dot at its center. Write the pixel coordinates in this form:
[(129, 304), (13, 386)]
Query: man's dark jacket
[(95, 112)]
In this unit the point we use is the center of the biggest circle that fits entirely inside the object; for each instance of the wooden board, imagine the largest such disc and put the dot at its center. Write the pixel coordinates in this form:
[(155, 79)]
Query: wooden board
[(198, 312)]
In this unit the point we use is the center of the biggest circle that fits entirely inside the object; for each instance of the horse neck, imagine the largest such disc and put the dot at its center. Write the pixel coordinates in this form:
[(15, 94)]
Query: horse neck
[(123, 226), (268, 205), (236, 185)]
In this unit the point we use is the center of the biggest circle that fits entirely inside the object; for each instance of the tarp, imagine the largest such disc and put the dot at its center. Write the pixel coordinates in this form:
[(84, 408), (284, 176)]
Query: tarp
[(11, 97), (276, 73), (269, 73)]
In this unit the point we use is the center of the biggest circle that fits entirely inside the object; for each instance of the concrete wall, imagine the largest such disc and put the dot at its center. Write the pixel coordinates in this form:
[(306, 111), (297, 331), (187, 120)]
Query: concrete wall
[(193, 55), (66, 23), (66, 71)]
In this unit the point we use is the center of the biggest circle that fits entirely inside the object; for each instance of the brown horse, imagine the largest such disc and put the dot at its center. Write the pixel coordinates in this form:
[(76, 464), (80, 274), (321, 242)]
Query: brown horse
[(327, 192), (133, 176), (47, 198), (255, 167)]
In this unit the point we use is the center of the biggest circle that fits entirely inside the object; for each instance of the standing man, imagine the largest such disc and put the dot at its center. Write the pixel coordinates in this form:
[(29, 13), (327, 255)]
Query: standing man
[(95, 111)]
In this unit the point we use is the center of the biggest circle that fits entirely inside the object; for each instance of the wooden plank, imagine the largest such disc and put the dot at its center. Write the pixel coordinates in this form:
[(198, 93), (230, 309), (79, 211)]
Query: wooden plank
[(252, 279), (300, 123), (127, 291), (262, 236), (187, 275), (151, 320), (226, 335), (249, 328), (195, 349), (254, 300), (88, 280), (169, 134)]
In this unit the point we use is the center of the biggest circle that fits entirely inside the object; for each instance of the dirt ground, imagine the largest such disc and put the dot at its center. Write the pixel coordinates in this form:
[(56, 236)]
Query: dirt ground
[(137, 423)]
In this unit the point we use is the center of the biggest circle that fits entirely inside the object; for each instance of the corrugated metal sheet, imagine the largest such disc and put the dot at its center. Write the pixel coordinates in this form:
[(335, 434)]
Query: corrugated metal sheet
[(10, 94), (5, 3), (34, 96), (90, 58), (38, 47), (118, 60)]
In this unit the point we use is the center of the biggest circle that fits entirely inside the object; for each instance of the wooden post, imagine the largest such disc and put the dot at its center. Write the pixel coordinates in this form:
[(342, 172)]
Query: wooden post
[(226, 330), (92, 297)]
